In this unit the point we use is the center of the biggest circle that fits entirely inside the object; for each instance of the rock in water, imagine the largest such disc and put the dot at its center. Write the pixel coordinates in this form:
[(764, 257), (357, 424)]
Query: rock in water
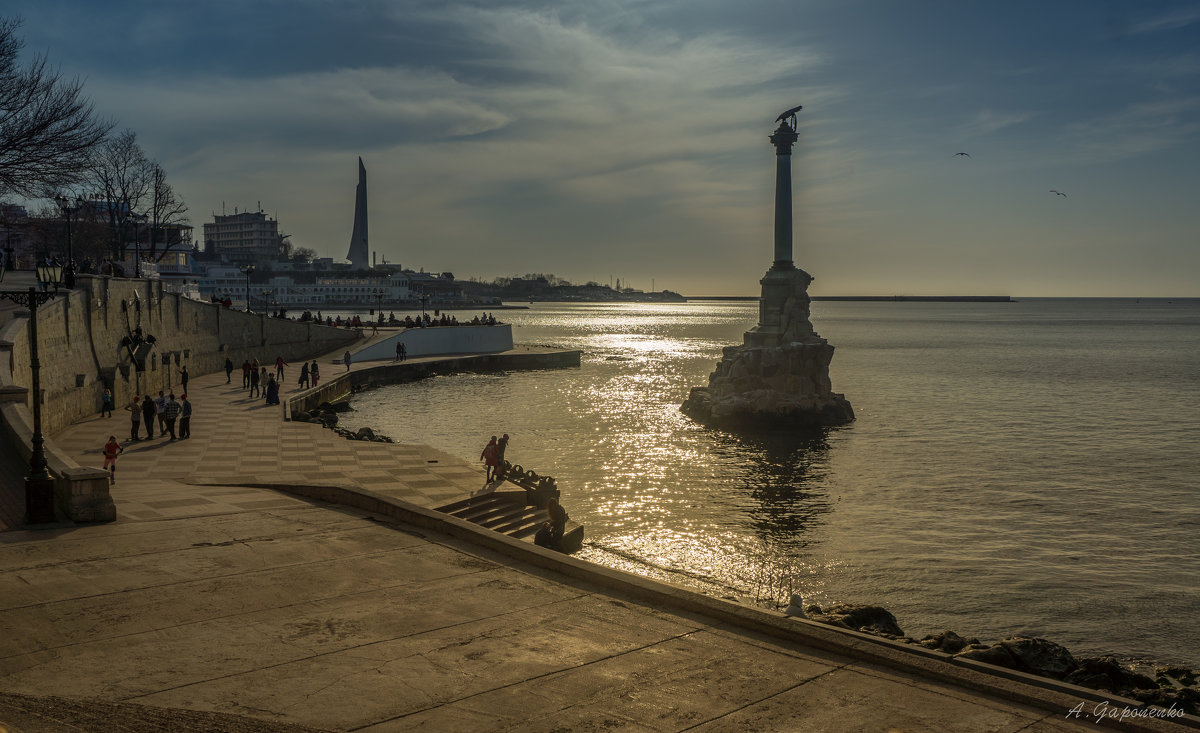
[(871, 619), (1035, 656), (779, 376)]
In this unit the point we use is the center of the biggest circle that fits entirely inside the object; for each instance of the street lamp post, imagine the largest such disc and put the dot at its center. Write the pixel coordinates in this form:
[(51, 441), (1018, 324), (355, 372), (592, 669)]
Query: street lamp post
[(39, 485), (266, 294), (64, 204), (424, 302), (134, 219), (249, 270)]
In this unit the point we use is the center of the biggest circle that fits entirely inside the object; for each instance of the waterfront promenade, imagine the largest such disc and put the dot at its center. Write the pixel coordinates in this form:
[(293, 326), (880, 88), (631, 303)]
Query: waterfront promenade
[(213, 596)]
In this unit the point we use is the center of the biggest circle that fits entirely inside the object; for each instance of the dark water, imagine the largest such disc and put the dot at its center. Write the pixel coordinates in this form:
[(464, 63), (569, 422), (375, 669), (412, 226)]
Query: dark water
[(1023, 467)]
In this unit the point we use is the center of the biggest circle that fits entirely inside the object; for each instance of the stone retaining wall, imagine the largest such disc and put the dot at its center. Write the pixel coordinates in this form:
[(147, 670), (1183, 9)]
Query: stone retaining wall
[(80, 355)]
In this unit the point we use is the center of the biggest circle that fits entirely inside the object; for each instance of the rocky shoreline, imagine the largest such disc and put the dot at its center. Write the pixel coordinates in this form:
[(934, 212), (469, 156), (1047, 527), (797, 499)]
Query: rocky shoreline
[(1170, 685), (326, 414)]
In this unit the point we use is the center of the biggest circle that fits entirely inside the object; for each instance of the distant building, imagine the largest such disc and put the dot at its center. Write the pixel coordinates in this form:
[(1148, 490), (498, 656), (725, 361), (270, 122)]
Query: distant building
[(246, 237)]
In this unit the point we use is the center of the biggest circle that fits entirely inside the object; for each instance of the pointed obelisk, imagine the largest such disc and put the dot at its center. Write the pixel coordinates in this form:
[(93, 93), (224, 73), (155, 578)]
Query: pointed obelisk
[(360, 253), (779, 376)]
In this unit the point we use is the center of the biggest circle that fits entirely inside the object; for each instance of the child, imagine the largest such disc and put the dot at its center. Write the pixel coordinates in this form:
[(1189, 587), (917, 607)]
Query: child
[(111, 449), (106, 405)]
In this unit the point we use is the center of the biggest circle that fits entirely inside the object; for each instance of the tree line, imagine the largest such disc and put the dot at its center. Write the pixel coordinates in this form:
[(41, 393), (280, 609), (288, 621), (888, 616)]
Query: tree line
[(53, 146)]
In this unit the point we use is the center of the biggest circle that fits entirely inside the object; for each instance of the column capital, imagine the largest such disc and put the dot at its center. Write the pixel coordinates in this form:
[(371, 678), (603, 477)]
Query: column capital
[(783, 138)]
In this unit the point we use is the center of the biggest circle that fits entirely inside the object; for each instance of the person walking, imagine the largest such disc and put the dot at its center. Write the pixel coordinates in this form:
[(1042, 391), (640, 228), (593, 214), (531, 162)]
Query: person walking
[(246, 371), (134, 409), (399, 351), (346, 360), (272, 391), (170, 413), (111, 450), (303, 382), (228, 370), (106, 404), (488, 456), (183, 378), (185, 419), (160, 404), (262, 382), (279, 365), (254, 390), (314, 373), (148, 413)]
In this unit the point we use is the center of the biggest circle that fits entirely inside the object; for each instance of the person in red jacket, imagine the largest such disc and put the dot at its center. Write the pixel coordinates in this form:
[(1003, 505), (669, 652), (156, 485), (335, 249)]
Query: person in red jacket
[(111, 449)]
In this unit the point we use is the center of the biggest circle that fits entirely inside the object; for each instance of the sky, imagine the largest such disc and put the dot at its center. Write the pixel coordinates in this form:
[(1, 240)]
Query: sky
[(628, 138)]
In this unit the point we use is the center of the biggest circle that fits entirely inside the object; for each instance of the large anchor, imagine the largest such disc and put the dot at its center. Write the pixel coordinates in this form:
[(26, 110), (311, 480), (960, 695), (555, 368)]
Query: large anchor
[(136, 345)]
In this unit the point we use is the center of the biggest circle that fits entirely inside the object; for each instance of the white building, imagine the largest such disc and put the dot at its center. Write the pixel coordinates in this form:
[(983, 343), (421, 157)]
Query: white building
[(249, 236)]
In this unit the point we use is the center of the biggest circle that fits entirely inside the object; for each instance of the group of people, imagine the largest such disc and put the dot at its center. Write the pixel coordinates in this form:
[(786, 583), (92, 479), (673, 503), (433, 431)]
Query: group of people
[(264, 385), (164, 410), (550, 534)]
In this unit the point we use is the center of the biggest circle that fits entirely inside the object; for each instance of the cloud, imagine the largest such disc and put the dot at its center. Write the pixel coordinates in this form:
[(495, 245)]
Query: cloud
[(987, 121), (1138, 129), (1168, 21)]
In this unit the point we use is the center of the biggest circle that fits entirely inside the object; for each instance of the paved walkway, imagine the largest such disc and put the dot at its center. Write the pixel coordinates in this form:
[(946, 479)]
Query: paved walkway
[(205, 599)]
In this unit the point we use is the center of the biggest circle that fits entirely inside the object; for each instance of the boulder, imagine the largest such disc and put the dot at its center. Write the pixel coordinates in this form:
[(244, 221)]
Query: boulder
[(996, 654), (947, 641), (1035, 656), (1106, 673), (1041, 657), (871, 619), (365, 433), (1185, 699)]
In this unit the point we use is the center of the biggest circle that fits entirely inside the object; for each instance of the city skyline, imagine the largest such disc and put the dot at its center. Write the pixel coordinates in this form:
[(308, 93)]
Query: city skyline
[(629, 139)]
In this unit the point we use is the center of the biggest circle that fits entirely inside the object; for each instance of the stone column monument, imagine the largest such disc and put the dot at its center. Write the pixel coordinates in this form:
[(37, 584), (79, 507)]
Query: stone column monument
[(779, 376)]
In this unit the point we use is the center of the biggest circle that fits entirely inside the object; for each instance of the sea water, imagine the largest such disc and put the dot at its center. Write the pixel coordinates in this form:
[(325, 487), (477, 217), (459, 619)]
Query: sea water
[(1015, 468)]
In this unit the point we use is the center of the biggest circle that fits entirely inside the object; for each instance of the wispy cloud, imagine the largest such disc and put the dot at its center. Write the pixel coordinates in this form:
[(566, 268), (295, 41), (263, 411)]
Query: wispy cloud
[(1168, 21), (987, 121)]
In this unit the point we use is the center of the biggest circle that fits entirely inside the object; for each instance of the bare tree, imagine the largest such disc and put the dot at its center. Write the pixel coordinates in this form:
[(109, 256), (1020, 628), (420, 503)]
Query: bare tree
[(47, 128), (166, 209), (122, 176)]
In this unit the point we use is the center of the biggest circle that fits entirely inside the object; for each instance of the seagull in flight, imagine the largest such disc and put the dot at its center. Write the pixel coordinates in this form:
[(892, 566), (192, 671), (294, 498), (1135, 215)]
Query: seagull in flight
[(1060, 193), (958, 154)]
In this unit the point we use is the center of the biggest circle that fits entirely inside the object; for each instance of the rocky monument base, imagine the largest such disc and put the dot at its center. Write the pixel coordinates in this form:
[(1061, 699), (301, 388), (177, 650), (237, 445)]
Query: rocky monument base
[(779, 376)]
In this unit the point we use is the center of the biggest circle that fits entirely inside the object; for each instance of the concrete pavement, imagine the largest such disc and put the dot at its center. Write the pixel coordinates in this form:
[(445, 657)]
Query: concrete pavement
[(209, 598)]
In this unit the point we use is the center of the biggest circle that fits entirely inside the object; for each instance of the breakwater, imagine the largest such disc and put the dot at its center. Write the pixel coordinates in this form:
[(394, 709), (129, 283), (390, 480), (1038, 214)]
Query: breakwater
[(341, 384)]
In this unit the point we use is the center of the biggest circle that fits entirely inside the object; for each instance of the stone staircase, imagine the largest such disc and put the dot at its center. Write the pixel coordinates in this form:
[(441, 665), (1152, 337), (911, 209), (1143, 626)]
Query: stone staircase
[(506, 512)]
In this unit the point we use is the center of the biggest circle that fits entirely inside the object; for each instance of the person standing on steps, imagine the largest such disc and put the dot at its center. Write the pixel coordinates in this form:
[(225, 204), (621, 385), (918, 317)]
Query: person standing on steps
[(346, 360), (501, 445), (314, 373), (279, 365), (254, 390), (106, 404), (228, 370), (183, 378), (488, 456), (303, 383), (246, 370)]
